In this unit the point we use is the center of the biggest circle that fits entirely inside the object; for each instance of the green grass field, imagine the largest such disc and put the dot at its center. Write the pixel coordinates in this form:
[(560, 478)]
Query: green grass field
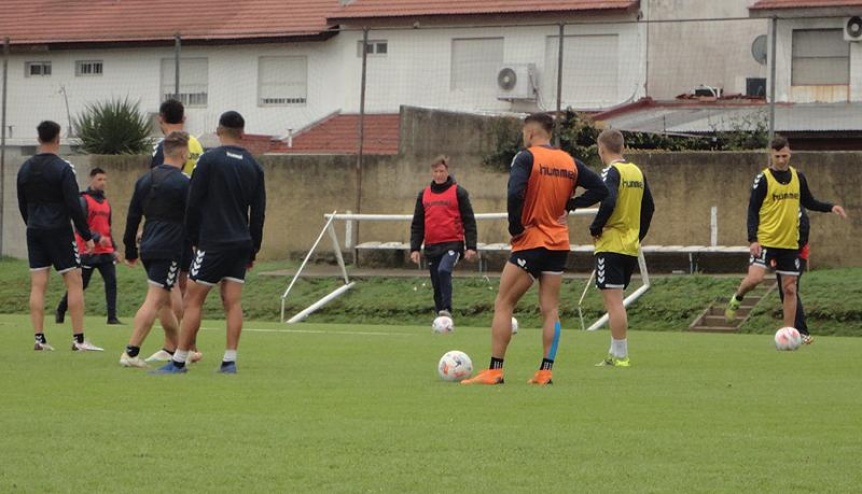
[(359, 408)]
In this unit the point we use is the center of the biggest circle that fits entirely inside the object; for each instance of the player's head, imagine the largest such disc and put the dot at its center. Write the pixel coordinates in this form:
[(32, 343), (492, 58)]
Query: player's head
[(611, 143), (231, 125), (172, 112), (176, 146), (779, 152), (98, 179), (778, 142), (49, 132), (440, 169), (538, 129)]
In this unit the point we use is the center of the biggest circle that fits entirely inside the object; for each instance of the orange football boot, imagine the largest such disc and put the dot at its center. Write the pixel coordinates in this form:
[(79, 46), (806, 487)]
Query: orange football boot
[(487, 376), (541, 377)]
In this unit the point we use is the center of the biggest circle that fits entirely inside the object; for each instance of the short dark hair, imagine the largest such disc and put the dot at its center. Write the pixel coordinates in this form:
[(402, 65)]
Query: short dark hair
[(440, 160), (231, 120), (172, 111), (95, 171), (778, 143), (48, 131), (613, 140), (175, 141), (545, 121)]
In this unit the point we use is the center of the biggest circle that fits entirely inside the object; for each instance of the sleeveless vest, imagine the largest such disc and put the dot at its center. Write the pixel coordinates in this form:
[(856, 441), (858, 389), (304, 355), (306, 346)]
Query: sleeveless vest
[(98, 215), (551, 184), (442, 216)]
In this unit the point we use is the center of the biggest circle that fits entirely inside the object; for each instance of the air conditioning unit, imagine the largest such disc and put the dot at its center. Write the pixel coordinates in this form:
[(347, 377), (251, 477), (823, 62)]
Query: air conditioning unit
[(853, 28), (517, 81)]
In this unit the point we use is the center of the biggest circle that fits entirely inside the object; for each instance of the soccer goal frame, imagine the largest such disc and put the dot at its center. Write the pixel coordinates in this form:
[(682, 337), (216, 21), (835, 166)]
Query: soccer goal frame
[(349, 218)]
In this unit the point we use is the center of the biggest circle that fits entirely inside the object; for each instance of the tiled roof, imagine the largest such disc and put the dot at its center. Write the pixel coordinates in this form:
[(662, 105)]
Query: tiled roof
[(362, 9), (34, 22), (339, 134), (52, 21), (801, 4)]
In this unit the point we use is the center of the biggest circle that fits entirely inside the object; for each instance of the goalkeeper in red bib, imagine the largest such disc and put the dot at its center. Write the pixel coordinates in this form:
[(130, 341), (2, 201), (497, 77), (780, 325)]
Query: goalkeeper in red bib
[(444, 220)]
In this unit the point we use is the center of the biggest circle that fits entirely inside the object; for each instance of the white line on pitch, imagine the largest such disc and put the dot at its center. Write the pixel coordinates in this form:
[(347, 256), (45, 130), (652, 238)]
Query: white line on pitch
[(314, 331)]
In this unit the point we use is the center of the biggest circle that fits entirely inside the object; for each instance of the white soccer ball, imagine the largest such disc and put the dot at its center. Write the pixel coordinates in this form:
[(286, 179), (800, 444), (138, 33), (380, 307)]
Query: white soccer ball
[(443, 324), (454, 366), (787, 339), (514, 325)]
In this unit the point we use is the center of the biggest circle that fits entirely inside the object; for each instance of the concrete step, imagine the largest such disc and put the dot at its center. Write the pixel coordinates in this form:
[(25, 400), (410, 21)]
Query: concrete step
[(710, 320), (740, 314)]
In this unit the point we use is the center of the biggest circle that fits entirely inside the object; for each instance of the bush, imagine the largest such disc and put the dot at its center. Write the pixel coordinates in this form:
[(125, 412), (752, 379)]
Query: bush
[(578, 134), (114, 127)]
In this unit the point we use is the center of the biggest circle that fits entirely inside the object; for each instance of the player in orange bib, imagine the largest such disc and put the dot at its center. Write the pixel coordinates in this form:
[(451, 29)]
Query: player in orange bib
[(542, 180)]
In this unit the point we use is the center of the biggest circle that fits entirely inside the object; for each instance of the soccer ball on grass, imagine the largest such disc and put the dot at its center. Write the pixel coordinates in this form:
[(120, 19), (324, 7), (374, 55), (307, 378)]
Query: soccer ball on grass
[(515, 325), (443, 324), (787, 339), (454, 366)]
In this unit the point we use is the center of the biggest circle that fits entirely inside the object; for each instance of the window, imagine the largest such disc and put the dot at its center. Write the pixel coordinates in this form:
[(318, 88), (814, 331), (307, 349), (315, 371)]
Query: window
[(194, 77), (475, 63), (377, 47), (282, 81), (37, 69), (85, 68), (820, 57)]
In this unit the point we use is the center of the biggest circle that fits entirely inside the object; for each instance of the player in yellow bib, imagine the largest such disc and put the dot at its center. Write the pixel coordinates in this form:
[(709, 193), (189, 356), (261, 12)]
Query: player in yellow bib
[(172, 118), (773, 227), (621, 224)]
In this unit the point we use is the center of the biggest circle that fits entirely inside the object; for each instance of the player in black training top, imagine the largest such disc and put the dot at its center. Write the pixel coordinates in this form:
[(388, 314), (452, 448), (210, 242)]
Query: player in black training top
[(160, 196), (224, 221), (49, 203)]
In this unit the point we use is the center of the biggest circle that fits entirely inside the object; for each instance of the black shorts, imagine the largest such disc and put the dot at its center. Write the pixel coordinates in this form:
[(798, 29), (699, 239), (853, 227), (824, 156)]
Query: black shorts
[(541, 260), (782, 261), (614, 270), (46, 248), (186, 257), (161, 272), (211, 266)]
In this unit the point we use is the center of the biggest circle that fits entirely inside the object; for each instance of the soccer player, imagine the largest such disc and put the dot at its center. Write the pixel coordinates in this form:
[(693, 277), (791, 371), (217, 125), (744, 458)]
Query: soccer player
[(800, 322), (160, 196), (228, 185), (443, 219), (97, 209), (773, 227), (619, 227), (542, 179), (49, 203), (172, 119)]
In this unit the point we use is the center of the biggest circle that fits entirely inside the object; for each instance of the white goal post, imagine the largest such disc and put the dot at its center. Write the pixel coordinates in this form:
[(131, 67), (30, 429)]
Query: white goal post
[(329, 228)]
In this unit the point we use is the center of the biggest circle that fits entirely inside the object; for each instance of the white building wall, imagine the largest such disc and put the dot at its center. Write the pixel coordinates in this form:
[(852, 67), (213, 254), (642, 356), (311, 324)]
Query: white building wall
[(712, 51), (415, 71), (786, 92), (136, 74)]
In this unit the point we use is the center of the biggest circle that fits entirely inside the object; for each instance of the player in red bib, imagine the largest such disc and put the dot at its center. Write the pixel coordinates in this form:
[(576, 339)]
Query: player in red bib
[(104, 255), (443, 219)]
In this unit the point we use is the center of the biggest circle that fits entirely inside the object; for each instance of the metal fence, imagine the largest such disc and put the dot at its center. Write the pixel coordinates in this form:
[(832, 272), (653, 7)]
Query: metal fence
[(671, 77)]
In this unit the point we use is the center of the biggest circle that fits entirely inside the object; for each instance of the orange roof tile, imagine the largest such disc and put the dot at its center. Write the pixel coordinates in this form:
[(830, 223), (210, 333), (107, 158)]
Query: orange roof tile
[(33, 22), (94, 21), (339, 134), (361, 9), (801, 4)]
